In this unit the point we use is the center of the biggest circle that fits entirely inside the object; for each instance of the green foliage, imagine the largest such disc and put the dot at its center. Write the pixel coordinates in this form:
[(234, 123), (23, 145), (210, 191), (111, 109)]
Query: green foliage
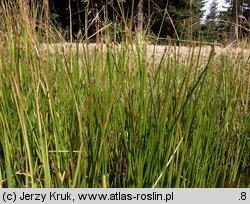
[(211, 24), (228, 17), (112, 116), (213, 11), (158, 15), (174, 18)]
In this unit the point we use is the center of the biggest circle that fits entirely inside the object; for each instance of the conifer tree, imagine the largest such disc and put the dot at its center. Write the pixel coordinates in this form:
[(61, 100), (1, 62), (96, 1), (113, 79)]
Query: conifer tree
[(167, 17), (140, 17), (213, 11), (175, 17), (211, 21)]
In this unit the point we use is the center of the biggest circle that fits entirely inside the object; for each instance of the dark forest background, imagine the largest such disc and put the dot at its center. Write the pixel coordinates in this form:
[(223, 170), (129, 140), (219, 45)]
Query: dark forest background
[(162, 19)]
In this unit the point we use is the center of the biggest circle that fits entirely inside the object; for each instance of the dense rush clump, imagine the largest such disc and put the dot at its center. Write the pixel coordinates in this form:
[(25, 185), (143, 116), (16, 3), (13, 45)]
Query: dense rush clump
[(127, 115)]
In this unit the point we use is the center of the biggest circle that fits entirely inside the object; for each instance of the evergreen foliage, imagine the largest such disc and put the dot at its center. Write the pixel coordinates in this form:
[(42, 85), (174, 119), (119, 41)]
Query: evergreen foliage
[(175, 17), (163, 18), (211, 21), (227, 19)]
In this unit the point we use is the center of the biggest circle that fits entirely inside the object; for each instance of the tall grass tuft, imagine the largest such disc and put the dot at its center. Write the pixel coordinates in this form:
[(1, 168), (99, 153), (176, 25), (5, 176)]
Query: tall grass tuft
[(115, 117)]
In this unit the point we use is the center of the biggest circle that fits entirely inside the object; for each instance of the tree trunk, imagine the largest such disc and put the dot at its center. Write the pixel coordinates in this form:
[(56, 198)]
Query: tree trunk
[(234, 31), (140, 15)]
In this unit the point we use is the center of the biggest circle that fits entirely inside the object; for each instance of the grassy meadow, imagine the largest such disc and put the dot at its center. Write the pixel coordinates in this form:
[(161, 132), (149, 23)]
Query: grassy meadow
[(118, 118)]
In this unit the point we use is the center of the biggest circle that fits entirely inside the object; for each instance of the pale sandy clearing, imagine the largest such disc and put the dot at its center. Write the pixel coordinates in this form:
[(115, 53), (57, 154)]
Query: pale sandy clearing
[(152, 52)]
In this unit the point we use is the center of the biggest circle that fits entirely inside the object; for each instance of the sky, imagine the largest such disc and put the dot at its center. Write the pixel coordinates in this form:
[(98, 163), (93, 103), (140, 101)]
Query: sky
[(221, 3), (220, 6)]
